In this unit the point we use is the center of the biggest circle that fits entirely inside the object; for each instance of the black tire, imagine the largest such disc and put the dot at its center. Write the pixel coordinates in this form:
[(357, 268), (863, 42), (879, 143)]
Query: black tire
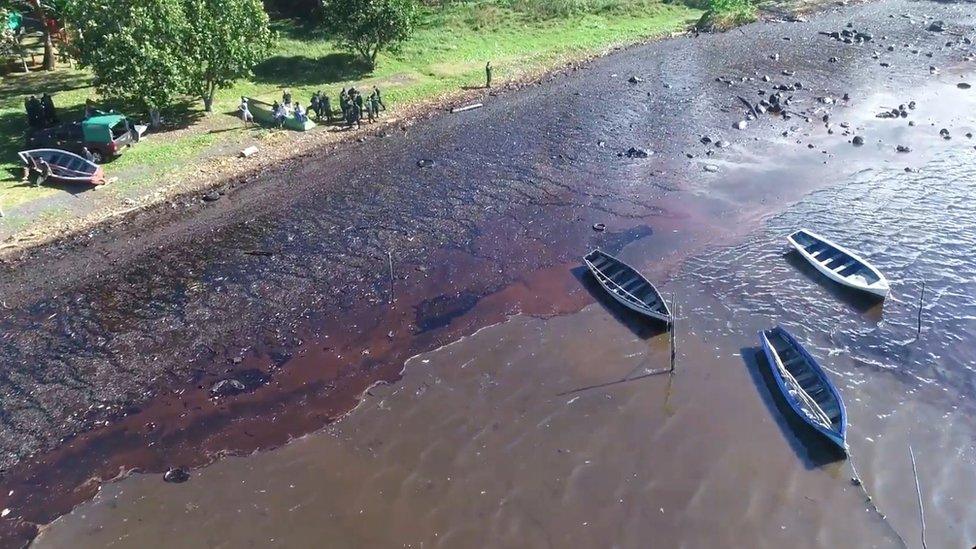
[(97, 157)]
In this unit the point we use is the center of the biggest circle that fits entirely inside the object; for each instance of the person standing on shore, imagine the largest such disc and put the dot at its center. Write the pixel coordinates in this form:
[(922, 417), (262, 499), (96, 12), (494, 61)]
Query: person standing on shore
[(326, 105), (379, 98), (50, 114), (374, 105), (488, 70), (245, 111)]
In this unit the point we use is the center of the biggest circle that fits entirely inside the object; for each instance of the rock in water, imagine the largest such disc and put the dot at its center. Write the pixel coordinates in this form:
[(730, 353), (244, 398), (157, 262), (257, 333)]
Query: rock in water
[(711, 168), (635, 79), (635, 152), (858, 140), (936, 26), (903, 149), (741, 125), (176, 475), (212, 196), (963, 86)]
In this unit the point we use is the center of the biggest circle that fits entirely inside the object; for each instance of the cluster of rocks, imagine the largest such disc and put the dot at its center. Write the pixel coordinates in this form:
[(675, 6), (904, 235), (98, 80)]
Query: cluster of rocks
[(900, 112), (850, 35)]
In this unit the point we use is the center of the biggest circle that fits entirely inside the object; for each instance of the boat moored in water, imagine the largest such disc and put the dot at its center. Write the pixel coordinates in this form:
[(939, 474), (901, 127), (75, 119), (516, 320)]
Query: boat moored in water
[(838, 263), (627, 286), (805, 386)]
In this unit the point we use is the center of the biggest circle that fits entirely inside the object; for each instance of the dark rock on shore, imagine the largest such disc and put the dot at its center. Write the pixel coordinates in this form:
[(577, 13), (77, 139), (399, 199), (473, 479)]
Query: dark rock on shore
[(176, 475)]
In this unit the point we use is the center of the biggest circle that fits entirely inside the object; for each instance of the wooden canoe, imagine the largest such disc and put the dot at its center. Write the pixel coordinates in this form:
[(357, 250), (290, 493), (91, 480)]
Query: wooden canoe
[(838, 263), (805, 386), (66, 166), (627, 286)]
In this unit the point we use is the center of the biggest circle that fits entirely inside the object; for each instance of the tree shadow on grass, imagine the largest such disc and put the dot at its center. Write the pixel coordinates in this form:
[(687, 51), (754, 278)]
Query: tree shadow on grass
[(17, 86), (299, 70)]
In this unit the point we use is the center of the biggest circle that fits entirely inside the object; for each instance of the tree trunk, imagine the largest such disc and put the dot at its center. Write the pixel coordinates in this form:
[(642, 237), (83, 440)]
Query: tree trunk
[(49, 61), (208, 103), (155, 118)]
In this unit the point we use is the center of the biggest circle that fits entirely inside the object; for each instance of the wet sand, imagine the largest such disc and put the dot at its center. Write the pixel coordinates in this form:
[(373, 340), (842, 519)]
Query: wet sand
[(143, 346)]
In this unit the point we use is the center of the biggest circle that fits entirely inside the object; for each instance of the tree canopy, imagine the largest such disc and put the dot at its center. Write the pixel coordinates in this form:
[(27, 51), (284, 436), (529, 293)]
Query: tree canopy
[(135, 48), (226, 39), (369, 26)]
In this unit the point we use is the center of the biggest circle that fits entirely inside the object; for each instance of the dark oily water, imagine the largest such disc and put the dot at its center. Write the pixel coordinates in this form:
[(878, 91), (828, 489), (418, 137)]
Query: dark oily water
[(914, 227)]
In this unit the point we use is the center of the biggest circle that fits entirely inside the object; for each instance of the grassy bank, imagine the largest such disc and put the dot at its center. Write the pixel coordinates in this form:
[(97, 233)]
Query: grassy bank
[(446, 54)]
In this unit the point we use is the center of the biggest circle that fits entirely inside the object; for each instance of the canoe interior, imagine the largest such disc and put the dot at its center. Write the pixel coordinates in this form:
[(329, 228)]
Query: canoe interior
[(810, 380), (835, 260), (627, 285)]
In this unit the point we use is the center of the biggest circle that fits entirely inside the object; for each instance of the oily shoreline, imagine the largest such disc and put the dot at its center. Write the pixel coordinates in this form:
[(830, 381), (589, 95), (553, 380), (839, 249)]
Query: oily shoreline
[(540, 210)]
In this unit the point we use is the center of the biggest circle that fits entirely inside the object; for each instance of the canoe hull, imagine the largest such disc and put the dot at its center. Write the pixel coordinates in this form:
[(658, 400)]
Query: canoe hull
[(837, 437), (662, 314), (879, 288), (67, 167)]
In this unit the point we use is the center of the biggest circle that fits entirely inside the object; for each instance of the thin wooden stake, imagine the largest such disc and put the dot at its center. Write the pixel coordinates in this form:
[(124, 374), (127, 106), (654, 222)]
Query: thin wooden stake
[(389, 255), (673, 338), (918, 492), (921, 299)]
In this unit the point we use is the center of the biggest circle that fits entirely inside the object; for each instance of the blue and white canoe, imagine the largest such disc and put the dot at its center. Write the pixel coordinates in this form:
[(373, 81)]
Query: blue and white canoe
[(838, 263), (805, 385)]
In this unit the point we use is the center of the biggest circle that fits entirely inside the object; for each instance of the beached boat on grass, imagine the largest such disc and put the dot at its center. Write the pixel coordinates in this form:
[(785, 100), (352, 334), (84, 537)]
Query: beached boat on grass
[(805, 385), (66, 167), (263, 113), (627, 286), (838, 263)]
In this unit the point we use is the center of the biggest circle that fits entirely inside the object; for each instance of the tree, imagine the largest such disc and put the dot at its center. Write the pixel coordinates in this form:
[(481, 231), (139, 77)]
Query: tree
[(226, 39), (369, 26), (135, 48)]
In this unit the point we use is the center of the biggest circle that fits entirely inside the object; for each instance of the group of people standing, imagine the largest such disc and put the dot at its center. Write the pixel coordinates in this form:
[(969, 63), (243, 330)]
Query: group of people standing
[(40, 112), (353, 107)]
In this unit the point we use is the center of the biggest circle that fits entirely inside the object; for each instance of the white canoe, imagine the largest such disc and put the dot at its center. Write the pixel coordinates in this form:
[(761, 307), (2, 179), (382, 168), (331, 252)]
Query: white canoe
[(838, 263), (627, 286)]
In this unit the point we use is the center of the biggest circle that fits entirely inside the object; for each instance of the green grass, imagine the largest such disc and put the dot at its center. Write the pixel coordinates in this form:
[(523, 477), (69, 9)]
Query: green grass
[(723, 15), (448, 52)]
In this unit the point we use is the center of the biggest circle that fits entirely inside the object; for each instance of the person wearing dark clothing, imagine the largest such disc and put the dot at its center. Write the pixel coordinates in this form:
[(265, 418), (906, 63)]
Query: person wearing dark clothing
[(488, 71), (374, 106), (35, 112), (87, 154), (286, 98), (90, 110), (379, 98), (355, 115), (344, 103), (326, 105), (49, 113), (359, 101), (313, 106)]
